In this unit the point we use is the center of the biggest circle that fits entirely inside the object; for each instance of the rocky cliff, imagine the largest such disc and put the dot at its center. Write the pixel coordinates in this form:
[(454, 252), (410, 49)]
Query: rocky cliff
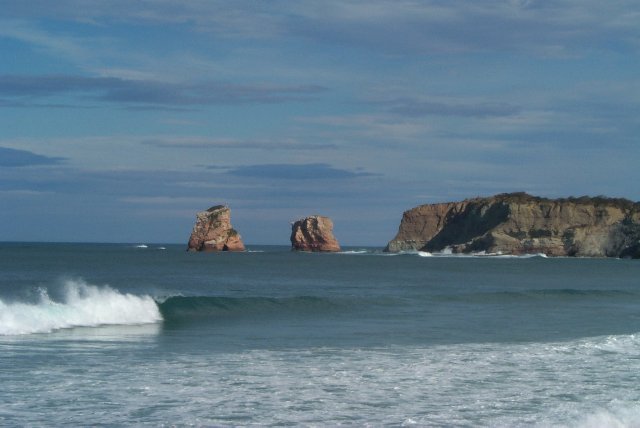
[(518, 223), (213, 231), (313, 233)]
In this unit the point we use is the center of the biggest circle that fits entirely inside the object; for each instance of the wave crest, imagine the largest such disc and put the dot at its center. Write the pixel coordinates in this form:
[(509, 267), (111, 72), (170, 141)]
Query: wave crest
[(184, 307), (80, 305)]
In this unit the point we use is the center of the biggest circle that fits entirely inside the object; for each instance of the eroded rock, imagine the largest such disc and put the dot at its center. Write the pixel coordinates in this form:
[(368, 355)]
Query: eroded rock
[(213, 231), (314, 233)]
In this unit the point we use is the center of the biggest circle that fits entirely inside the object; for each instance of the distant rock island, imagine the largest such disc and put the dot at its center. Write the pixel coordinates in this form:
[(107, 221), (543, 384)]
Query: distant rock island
[(314, 233), (213, 231), (518, 223)]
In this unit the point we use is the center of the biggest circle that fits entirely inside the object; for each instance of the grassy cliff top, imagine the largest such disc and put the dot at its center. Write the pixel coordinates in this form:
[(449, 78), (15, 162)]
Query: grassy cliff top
[(216, 208), (525, 198)]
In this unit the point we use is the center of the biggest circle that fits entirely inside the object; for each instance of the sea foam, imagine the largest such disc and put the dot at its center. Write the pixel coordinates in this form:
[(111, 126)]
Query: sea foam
[(80, 305), (618, 416)]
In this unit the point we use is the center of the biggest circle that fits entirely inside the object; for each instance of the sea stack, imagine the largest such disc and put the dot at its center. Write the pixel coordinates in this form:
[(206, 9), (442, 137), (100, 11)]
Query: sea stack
[(314, 233), (518, 223), (213, 231)]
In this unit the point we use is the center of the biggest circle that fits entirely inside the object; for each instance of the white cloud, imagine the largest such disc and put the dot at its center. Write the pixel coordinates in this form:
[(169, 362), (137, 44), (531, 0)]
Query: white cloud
[(54, 44), (24, 193), (417, 26)]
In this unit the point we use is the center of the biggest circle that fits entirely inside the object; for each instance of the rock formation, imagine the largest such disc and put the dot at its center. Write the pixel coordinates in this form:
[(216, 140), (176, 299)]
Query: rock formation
[(314, 233), (213, 231), (518, 223)]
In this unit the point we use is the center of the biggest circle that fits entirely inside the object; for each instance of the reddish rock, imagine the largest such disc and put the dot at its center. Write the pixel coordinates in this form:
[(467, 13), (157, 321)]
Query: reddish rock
[(213, 231), (314, 233)]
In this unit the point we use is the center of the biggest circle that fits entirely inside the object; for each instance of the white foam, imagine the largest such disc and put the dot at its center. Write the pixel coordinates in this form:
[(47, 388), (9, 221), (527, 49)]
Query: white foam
[(141, 246), (447, 252), (563, 384), (617, 416), (82, 305)]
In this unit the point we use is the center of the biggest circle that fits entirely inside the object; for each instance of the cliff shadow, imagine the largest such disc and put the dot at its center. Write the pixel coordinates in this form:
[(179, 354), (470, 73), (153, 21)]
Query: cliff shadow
[(473, 222)]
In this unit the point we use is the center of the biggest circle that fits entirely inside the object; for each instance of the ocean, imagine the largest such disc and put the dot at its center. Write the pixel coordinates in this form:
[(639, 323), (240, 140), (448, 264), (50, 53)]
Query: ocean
[(124, 334)]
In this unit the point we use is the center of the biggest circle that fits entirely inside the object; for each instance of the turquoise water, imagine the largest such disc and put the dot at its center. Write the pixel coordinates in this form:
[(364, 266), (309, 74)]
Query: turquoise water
[(125, 335)]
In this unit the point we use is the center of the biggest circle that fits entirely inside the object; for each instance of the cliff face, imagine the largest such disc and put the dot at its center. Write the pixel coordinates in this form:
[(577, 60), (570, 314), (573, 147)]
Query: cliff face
[(518, 223), (213, 231), (314, 233)]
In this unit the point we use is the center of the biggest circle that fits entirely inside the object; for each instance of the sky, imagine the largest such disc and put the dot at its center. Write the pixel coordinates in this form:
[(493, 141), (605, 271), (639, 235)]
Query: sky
[(119, 120)]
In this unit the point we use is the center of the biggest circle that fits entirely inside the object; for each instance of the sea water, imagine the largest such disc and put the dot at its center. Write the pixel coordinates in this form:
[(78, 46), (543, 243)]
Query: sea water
[(125, 334)]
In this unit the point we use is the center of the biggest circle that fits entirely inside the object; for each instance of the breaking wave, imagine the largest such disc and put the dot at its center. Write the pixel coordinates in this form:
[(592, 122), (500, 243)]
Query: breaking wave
[(79, 305), (481, 254), (617, 416)]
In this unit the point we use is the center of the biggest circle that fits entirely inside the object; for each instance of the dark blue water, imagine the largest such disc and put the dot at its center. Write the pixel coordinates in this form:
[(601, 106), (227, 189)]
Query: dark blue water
[(116, 334)]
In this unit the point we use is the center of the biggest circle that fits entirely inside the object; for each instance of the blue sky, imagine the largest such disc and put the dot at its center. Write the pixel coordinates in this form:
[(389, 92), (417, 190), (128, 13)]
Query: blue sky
[(119, 120)]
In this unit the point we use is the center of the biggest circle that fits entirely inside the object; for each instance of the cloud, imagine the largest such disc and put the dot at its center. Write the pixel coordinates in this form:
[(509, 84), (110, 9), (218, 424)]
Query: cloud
[(552, 27), (311, 171), (413, 107), (369, 129), (55, 44), (200, 143), (16, 158), (150, 92), (557, 27), (235, 19)]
